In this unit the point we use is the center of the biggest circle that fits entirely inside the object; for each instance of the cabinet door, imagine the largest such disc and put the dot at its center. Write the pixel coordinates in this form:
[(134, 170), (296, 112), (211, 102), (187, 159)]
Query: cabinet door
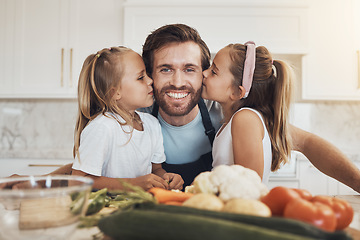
[(312, 179), (53, 38), (6, 45), (40, 38), (94, 25), (330, 67)]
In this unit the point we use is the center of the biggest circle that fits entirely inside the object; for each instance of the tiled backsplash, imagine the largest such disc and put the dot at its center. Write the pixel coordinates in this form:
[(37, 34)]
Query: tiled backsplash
[(43, 128)]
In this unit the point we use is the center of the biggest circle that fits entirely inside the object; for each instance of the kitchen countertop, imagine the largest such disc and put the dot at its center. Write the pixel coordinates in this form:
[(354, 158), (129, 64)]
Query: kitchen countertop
[(353, 229), (85, 233)]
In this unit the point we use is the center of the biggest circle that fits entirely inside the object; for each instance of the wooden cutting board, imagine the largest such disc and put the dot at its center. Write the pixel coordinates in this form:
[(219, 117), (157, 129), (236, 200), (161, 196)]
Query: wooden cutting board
[(46, 213)]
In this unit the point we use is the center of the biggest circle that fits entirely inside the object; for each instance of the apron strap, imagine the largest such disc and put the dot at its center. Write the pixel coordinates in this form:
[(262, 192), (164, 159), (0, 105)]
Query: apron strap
[(209, 128), (155, 110)]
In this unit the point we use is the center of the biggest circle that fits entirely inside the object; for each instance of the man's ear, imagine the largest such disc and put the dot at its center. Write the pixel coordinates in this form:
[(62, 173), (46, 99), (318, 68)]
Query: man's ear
[(238, 93)]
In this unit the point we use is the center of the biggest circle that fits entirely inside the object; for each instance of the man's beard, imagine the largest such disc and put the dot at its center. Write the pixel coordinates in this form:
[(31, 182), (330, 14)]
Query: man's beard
[(177, 109)]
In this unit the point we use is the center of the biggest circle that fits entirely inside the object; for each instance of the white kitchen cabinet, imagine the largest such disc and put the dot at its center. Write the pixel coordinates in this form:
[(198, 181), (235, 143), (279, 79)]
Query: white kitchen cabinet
[(312, 179), (307, 177), (279, 25), (3, 28), (6, 32), (302, 174), (318, 183), (331, 67), (287, 176), (52, 39)]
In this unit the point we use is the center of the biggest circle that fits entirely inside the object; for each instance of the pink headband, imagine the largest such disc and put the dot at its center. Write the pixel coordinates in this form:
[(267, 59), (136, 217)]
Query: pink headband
[(249, 66)]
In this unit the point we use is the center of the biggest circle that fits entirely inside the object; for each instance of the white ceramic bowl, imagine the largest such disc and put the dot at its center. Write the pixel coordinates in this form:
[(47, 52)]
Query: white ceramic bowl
[(42, 208)]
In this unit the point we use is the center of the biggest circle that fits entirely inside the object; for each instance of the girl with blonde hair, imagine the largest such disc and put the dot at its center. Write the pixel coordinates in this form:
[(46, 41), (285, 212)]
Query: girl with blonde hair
[(255, 94), (112, 139)]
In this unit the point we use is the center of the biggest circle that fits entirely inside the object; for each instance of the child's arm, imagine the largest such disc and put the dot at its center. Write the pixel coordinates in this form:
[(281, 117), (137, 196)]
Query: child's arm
[(66, 169), (247, 133), (146, 182), (174, 180)]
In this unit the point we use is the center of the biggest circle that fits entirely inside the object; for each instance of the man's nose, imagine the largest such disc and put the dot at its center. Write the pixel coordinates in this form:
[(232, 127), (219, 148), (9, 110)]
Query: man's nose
[(178, 79)]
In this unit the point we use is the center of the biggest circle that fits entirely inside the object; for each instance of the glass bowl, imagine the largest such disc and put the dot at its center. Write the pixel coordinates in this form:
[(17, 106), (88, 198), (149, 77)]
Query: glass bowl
[(43, 207)]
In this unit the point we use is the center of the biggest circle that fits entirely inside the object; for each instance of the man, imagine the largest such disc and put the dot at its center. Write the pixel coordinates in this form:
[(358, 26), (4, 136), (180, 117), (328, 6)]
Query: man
[(175, 57)]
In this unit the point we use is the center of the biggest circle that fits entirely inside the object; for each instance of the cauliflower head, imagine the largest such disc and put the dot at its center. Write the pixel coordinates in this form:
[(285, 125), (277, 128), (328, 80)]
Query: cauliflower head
[(203, 184), (229, 182)]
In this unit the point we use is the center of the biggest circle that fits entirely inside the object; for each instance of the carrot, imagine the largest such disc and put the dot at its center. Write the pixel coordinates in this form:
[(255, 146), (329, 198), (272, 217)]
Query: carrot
[(163, 195), (176, 203)]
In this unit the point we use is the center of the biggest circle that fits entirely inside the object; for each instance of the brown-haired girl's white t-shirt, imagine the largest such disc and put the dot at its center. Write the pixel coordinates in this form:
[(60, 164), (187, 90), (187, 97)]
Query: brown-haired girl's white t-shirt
[(105, 148)]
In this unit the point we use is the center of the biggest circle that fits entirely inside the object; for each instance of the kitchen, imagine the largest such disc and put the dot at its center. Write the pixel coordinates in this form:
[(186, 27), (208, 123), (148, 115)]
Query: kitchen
[(27, 106), (38, 97)]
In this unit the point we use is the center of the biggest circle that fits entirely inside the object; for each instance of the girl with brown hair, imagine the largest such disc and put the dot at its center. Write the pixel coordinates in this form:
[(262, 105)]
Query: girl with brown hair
[(255, 94)]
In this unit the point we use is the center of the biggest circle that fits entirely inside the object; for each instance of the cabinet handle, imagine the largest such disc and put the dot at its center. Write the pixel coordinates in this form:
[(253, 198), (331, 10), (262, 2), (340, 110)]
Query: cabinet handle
[(358, 62), (71, 65), (62, 68)]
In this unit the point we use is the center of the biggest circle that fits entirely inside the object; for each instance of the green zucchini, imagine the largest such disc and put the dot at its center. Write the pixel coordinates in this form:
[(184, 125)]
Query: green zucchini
[(275, 223), (149, 224)]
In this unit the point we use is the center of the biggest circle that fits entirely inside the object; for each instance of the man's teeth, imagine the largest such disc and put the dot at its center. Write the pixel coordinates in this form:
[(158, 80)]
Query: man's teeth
[(177, 95)]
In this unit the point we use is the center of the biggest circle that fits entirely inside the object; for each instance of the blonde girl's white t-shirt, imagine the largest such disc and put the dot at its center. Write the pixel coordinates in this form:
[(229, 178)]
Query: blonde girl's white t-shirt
[(105, 148), (223, 149)]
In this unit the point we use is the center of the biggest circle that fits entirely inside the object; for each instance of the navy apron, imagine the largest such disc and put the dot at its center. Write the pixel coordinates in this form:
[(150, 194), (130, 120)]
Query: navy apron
[(189, 171)]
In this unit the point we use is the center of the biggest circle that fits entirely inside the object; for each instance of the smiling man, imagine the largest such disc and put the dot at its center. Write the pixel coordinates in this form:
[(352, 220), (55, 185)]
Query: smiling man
[(175, 56)]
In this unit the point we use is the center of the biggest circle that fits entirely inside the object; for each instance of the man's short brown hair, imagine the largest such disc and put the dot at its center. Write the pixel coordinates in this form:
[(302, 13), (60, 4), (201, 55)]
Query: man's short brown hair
[(169, 34)]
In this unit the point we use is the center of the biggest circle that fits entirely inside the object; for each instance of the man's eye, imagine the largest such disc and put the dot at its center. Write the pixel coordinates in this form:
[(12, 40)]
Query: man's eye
[(189, 70), (165, 70)]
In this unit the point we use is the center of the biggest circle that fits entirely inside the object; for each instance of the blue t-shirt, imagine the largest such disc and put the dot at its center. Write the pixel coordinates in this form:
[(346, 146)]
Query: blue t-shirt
[(184, 144)]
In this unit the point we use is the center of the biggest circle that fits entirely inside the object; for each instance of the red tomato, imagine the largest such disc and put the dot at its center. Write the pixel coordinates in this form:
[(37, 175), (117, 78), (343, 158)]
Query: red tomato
[(315, 213), (342, 209), (277, 199), (305, 194)]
